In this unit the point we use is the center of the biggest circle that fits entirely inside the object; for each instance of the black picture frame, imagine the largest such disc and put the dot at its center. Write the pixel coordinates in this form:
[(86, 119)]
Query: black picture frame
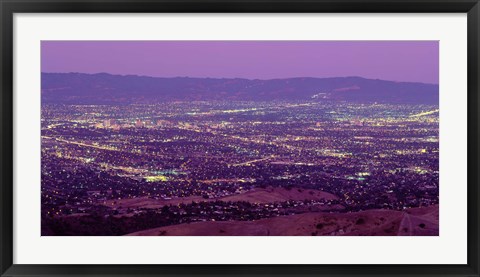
[(9, 7)]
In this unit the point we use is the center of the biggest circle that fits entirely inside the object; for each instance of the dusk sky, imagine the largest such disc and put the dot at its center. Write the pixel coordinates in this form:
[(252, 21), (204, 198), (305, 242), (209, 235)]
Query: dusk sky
[(412, 61)]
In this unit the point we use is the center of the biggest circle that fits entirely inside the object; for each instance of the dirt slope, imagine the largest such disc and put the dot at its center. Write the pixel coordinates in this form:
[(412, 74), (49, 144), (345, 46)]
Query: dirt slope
[(414, 222), (257, 195)]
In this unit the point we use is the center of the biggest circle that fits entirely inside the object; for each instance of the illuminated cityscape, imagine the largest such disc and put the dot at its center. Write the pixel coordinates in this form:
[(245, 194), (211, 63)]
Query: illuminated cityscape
[(186, 161)]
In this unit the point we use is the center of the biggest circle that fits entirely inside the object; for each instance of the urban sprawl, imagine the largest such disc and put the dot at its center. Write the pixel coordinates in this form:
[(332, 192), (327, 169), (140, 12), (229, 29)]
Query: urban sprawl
[(126, 168)]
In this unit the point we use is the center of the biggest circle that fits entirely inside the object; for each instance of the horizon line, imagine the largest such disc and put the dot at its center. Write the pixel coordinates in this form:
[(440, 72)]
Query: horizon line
[(280, 78)]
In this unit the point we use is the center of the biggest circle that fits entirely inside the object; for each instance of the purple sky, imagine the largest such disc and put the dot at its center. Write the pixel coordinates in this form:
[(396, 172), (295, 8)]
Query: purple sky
[(415, 61)]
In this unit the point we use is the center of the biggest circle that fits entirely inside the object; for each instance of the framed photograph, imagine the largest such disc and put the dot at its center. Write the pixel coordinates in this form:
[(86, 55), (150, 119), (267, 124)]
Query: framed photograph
[(244, 138)]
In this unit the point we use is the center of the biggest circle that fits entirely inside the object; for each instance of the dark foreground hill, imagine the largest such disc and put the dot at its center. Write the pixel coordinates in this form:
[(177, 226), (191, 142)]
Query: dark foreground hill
[(411, 222), (103, 88)]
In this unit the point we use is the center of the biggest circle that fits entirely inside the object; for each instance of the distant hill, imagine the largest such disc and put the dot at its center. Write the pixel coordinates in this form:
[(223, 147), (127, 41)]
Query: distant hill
[(103, 88)]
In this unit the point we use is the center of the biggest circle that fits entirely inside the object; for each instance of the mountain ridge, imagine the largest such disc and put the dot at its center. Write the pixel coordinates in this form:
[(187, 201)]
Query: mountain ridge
[(105, 88)]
